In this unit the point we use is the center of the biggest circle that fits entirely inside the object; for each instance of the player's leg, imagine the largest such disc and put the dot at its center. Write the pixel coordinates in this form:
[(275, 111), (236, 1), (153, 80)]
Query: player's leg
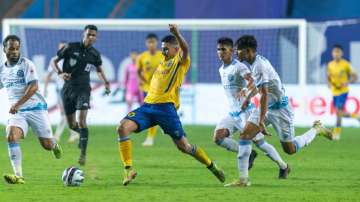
[(273, 154), (84, 135), (135, 121), (200, 155), (282, 121), (82, 104), (168, 119), (338, 105), (40, 124), (222, 133), (244, 152), (16, 129)]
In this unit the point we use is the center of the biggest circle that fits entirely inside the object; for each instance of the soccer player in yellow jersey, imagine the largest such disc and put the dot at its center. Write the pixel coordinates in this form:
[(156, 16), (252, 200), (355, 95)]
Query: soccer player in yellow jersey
[(147, 63), (340, 74), (160, 107)]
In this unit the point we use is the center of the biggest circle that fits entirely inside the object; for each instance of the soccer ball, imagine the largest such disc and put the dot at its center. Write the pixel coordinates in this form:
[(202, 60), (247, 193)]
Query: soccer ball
[(72, 176)]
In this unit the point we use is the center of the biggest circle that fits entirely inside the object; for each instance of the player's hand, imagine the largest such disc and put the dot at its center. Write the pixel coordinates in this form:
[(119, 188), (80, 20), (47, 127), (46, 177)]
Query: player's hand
[(107, 88), (65, 76), (173, 28), (263, 129), (14, 109)]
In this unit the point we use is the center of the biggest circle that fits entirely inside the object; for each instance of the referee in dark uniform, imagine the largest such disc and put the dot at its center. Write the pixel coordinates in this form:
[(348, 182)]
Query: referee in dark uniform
[(79, 58)]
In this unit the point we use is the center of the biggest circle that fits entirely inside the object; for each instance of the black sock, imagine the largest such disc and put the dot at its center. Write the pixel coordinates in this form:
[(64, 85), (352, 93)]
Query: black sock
[(84, 134)]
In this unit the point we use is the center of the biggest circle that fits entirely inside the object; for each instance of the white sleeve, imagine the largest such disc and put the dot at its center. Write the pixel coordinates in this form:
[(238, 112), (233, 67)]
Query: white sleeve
[(30, 72), (261, 74), (242, 69)]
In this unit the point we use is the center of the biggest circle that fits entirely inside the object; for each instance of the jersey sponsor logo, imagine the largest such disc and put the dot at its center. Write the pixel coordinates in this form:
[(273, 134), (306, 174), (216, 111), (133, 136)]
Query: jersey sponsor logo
[(231, 77), (169, 64), (85, 104), (20, 73), (72, 62), (76, 53)]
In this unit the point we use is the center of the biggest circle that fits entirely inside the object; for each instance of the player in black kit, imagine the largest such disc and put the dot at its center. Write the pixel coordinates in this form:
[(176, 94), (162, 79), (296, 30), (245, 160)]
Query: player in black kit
[(79, 58)]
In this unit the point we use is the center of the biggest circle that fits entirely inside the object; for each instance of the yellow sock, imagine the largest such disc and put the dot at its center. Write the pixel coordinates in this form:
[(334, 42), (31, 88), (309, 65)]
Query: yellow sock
[(152, 132), (354, 115), (200, 155), (125, 151), (337, 130)]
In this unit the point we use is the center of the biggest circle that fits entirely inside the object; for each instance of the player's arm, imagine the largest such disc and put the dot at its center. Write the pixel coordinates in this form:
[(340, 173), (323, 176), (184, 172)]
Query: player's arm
[(182, 42), (29, 92), (140, 70), (250, 90), (101, 75), (61, 54), (263, 90), (353, 75)]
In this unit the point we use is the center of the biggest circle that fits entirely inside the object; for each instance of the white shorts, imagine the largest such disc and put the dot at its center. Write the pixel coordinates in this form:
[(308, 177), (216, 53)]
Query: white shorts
[(280, 119), (237, 124), (38, 121)]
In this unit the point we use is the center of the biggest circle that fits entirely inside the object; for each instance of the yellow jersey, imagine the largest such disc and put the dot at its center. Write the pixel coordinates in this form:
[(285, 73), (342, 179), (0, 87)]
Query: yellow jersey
[(339, 73), (166, 81), (148, 63)]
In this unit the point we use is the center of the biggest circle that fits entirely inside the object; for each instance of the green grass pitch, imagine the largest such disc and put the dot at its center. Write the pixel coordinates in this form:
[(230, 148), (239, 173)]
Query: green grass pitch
[(324, 171)]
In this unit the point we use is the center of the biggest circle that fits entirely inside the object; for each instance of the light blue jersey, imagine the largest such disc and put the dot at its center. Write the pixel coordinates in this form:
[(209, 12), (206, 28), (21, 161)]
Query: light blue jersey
[(264, 74), (233, 81), (15, 79)]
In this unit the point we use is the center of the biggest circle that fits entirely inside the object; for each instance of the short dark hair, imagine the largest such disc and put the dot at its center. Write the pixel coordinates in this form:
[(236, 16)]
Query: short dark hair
[(91, 27), (11, 37), (246, 41), (151, 36), (62, 41), (170, 39), (338, 46), (226, 41)]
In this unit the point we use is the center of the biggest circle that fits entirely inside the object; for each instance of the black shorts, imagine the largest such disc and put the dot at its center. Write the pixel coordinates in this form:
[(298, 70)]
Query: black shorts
[(75, 98)]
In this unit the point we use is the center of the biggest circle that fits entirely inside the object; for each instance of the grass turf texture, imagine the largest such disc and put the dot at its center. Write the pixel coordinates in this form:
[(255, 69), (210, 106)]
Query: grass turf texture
[(325, 171)]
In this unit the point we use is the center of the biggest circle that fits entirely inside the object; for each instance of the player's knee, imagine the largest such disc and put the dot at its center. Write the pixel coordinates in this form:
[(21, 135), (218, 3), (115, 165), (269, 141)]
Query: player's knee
[(122, 130), (13, 135), (219, 135)]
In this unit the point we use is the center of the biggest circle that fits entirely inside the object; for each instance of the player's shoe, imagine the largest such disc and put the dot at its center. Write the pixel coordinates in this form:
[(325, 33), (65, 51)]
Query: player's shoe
[(73, 137), (13, 179), (219, 174), (252, 158), (57, 151), (283, 173), (322, 131), (148, 142), (129, 175), (239, 183), (82, 160)]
